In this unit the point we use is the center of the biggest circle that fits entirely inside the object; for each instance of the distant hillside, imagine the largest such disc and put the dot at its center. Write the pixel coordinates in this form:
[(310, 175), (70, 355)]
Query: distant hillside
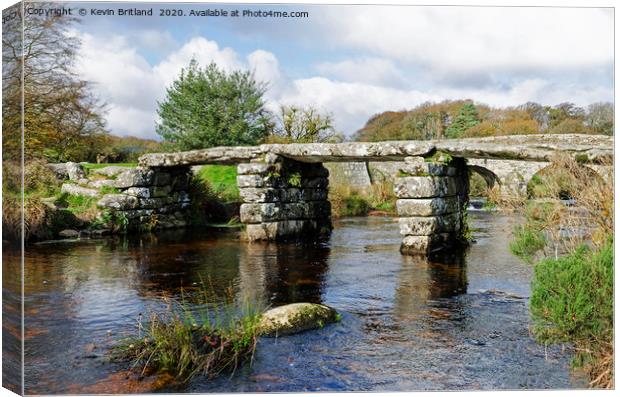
[(464, 118)]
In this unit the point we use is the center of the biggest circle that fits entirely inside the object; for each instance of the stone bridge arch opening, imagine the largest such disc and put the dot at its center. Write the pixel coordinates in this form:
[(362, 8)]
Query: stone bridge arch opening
[(559, 181), (481, 179)]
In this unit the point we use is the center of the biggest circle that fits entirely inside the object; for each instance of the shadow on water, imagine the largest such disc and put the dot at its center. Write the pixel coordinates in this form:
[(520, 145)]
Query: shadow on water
[(409, 323)]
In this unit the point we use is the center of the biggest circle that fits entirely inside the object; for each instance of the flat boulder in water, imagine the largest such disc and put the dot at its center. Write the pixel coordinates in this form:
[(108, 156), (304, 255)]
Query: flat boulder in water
[(296, 317)]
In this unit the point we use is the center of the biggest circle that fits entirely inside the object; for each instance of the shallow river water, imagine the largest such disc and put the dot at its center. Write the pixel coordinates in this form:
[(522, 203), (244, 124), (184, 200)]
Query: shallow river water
[(458, 323)]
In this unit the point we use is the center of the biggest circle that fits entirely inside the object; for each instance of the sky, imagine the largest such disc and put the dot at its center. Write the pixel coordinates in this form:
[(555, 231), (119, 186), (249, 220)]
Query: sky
[(351, 61)]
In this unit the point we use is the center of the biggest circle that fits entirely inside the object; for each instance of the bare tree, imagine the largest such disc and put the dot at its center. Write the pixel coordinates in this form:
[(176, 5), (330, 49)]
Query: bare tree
[(299, 124), (60, 113)]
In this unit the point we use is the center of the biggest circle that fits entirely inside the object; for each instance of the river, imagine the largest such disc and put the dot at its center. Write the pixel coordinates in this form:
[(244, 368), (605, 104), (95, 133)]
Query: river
[(454, 323)]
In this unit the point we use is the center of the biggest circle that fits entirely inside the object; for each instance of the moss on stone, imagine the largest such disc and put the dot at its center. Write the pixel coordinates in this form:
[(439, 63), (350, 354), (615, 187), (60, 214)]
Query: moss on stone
[(296, 317)]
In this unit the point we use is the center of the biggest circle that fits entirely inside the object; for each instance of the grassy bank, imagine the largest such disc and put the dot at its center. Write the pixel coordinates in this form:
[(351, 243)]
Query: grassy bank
[(222, 180), (571, 248)]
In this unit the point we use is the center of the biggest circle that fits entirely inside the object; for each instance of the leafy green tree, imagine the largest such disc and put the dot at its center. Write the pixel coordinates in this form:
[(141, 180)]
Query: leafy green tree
[(466, 119), (206, 107)]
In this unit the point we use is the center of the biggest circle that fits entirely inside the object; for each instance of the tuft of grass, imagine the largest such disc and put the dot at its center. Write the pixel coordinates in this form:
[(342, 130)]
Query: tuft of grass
[(185, 342)]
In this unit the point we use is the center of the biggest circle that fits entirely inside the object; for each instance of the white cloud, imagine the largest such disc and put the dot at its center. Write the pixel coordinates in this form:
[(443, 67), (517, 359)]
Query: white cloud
[(156, 40), (201, 49), (369, 70), (462, 39)]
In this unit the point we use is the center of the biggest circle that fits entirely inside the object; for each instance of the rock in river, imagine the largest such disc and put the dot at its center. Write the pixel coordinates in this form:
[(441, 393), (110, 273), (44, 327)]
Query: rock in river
[(296, 317)]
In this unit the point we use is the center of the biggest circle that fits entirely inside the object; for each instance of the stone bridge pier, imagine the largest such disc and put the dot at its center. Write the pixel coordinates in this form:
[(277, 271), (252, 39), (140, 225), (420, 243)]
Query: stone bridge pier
[(432, 199), (283, 199)]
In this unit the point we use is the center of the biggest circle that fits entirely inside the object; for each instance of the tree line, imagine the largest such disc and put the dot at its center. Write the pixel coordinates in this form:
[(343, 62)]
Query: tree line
[(466, 119)]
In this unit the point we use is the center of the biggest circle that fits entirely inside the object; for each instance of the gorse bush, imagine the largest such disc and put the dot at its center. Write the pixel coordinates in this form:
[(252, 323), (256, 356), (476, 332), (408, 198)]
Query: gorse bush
[(572, 301)]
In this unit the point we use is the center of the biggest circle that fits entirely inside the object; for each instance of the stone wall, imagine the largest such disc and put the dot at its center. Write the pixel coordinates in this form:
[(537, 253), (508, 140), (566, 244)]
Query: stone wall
[(156, 198), (353, 174), (283, 199), (431, 199)]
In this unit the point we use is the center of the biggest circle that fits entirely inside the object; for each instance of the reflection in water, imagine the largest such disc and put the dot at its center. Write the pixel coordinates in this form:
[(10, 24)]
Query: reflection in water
[(277, 274), (407, 322), (11, 321), (423, 280)]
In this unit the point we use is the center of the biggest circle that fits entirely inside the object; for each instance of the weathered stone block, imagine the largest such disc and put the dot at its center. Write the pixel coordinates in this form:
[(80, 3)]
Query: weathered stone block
[(109, 171), (119, 202), (271, 212), (260, 181), (427, 207), (424, 186), (427, 225), (75, 172), (297, 228), (99, 183), (418, 166), (425, 244), (152, 203), (134, 214), (259, 195), (308, 194), (76, 190), (134, 177), (141, 192), (256, 168)]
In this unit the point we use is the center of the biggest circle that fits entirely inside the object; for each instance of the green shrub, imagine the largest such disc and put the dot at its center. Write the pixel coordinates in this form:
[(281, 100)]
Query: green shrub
[(355, 205)]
